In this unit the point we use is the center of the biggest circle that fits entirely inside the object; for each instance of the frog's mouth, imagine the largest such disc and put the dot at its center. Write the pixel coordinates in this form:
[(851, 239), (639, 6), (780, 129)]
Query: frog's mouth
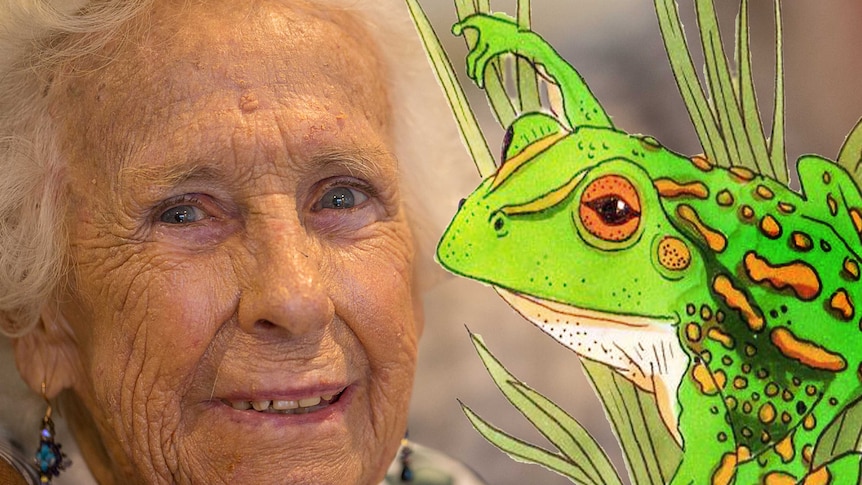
[(645, 350), (553, 311)]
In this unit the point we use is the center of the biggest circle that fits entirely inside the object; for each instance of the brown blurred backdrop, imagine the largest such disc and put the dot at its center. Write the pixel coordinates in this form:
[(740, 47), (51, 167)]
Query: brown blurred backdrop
[(615, 45)]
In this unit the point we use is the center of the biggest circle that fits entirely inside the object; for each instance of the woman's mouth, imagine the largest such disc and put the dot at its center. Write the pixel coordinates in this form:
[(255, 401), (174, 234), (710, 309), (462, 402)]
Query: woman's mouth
[(279, 406)]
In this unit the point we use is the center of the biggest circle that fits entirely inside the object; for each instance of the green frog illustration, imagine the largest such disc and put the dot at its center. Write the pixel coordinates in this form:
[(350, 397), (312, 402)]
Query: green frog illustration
[(729, 296)]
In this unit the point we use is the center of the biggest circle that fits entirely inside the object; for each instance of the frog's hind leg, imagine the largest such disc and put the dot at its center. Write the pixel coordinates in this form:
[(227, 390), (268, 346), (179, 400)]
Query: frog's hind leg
[(843, 470), (834, 197)]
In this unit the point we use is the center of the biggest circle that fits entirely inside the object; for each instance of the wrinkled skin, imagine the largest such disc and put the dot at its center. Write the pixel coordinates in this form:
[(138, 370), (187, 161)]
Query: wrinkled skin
[(242, 118)]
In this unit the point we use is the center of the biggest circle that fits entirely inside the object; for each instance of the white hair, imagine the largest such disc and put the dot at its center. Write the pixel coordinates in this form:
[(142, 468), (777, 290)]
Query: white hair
[(36, 36)]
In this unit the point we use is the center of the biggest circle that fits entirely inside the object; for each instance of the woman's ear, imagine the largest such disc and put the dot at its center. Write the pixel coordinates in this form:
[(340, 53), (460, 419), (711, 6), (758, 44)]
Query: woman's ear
[(47, 354)]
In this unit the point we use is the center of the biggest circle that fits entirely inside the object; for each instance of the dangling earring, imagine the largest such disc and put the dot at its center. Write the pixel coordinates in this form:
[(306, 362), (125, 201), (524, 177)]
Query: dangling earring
[(404, 458), (50, 460)]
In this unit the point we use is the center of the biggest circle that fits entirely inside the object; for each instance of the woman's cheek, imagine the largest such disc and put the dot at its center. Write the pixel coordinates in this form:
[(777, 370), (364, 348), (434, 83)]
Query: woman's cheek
[(186, 303), (152, 321), (379, 296)]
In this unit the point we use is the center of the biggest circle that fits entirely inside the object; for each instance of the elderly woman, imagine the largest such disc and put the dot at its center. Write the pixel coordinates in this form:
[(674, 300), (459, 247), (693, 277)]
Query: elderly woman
[(206, 242)]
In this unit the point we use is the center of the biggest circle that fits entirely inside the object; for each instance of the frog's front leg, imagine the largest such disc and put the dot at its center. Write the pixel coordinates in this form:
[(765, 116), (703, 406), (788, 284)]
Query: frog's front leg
[(500, 35), (710, 453)]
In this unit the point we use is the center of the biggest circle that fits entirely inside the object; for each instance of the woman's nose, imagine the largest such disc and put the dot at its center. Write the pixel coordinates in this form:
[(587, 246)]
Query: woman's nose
[(284, 289)]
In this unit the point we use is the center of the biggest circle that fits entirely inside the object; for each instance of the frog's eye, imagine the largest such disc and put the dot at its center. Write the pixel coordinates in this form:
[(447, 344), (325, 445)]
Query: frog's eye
[(610, 208)]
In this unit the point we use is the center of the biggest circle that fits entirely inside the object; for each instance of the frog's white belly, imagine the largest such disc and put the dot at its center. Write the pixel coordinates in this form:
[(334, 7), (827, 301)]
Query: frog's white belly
[(644, 350)]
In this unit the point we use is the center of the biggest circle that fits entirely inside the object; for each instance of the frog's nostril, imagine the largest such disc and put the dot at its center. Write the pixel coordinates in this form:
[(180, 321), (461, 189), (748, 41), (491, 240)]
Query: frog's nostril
[(461, 203)]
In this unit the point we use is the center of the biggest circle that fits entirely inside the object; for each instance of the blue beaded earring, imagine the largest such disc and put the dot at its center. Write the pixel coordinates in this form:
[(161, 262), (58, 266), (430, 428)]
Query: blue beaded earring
[(50, 459), (404, 458)]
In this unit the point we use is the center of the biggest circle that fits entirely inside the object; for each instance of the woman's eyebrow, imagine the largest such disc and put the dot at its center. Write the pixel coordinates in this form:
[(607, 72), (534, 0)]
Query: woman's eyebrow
[(359, 162), (165, 176)]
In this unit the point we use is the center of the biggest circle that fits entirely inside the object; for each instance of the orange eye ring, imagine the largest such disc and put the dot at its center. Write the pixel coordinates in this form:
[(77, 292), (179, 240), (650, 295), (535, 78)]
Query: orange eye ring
[(610, 208)]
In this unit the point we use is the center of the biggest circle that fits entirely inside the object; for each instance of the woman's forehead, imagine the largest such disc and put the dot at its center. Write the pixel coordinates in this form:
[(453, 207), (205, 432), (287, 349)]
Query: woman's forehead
[(224, 61), (267, 28)]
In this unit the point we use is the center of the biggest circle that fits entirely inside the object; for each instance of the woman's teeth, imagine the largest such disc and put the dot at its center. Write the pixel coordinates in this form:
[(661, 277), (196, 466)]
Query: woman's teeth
[(301, 406)]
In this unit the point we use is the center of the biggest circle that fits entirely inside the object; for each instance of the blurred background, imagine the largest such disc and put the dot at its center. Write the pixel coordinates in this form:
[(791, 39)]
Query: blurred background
[(616, 46)]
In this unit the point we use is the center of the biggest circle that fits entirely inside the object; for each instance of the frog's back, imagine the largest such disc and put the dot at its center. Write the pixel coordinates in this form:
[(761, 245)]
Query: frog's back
[(779, 334)]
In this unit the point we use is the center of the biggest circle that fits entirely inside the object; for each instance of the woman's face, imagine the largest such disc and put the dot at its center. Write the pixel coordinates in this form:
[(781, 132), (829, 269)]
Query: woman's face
[(240, 295)]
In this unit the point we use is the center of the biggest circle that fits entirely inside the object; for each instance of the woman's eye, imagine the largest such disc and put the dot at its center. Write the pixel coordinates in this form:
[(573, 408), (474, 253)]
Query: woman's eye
[(183, 214), (341, 198)]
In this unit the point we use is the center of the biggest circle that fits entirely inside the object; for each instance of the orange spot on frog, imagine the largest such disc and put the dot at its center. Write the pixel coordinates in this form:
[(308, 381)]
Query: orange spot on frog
[(799, 276), (808, 353)]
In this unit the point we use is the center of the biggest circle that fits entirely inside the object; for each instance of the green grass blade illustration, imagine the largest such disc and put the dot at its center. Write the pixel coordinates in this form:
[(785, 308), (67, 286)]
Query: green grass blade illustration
[(843, 435), (850, 155), (525, 452), (528, 82), (748, 97), (469, 127), (777, 151), (562, 430), (650, 451), (688, 83), (498, 98), (722, 91)]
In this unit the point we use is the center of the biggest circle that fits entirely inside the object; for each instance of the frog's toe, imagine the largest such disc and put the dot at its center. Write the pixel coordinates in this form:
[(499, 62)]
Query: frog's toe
[(477, 60), (472, 21)]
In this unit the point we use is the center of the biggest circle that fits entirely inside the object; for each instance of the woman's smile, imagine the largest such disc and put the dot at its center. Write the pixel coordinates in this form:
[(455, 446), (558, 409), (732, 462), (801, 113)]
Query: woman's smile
[(285, 406), (290, 412)]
